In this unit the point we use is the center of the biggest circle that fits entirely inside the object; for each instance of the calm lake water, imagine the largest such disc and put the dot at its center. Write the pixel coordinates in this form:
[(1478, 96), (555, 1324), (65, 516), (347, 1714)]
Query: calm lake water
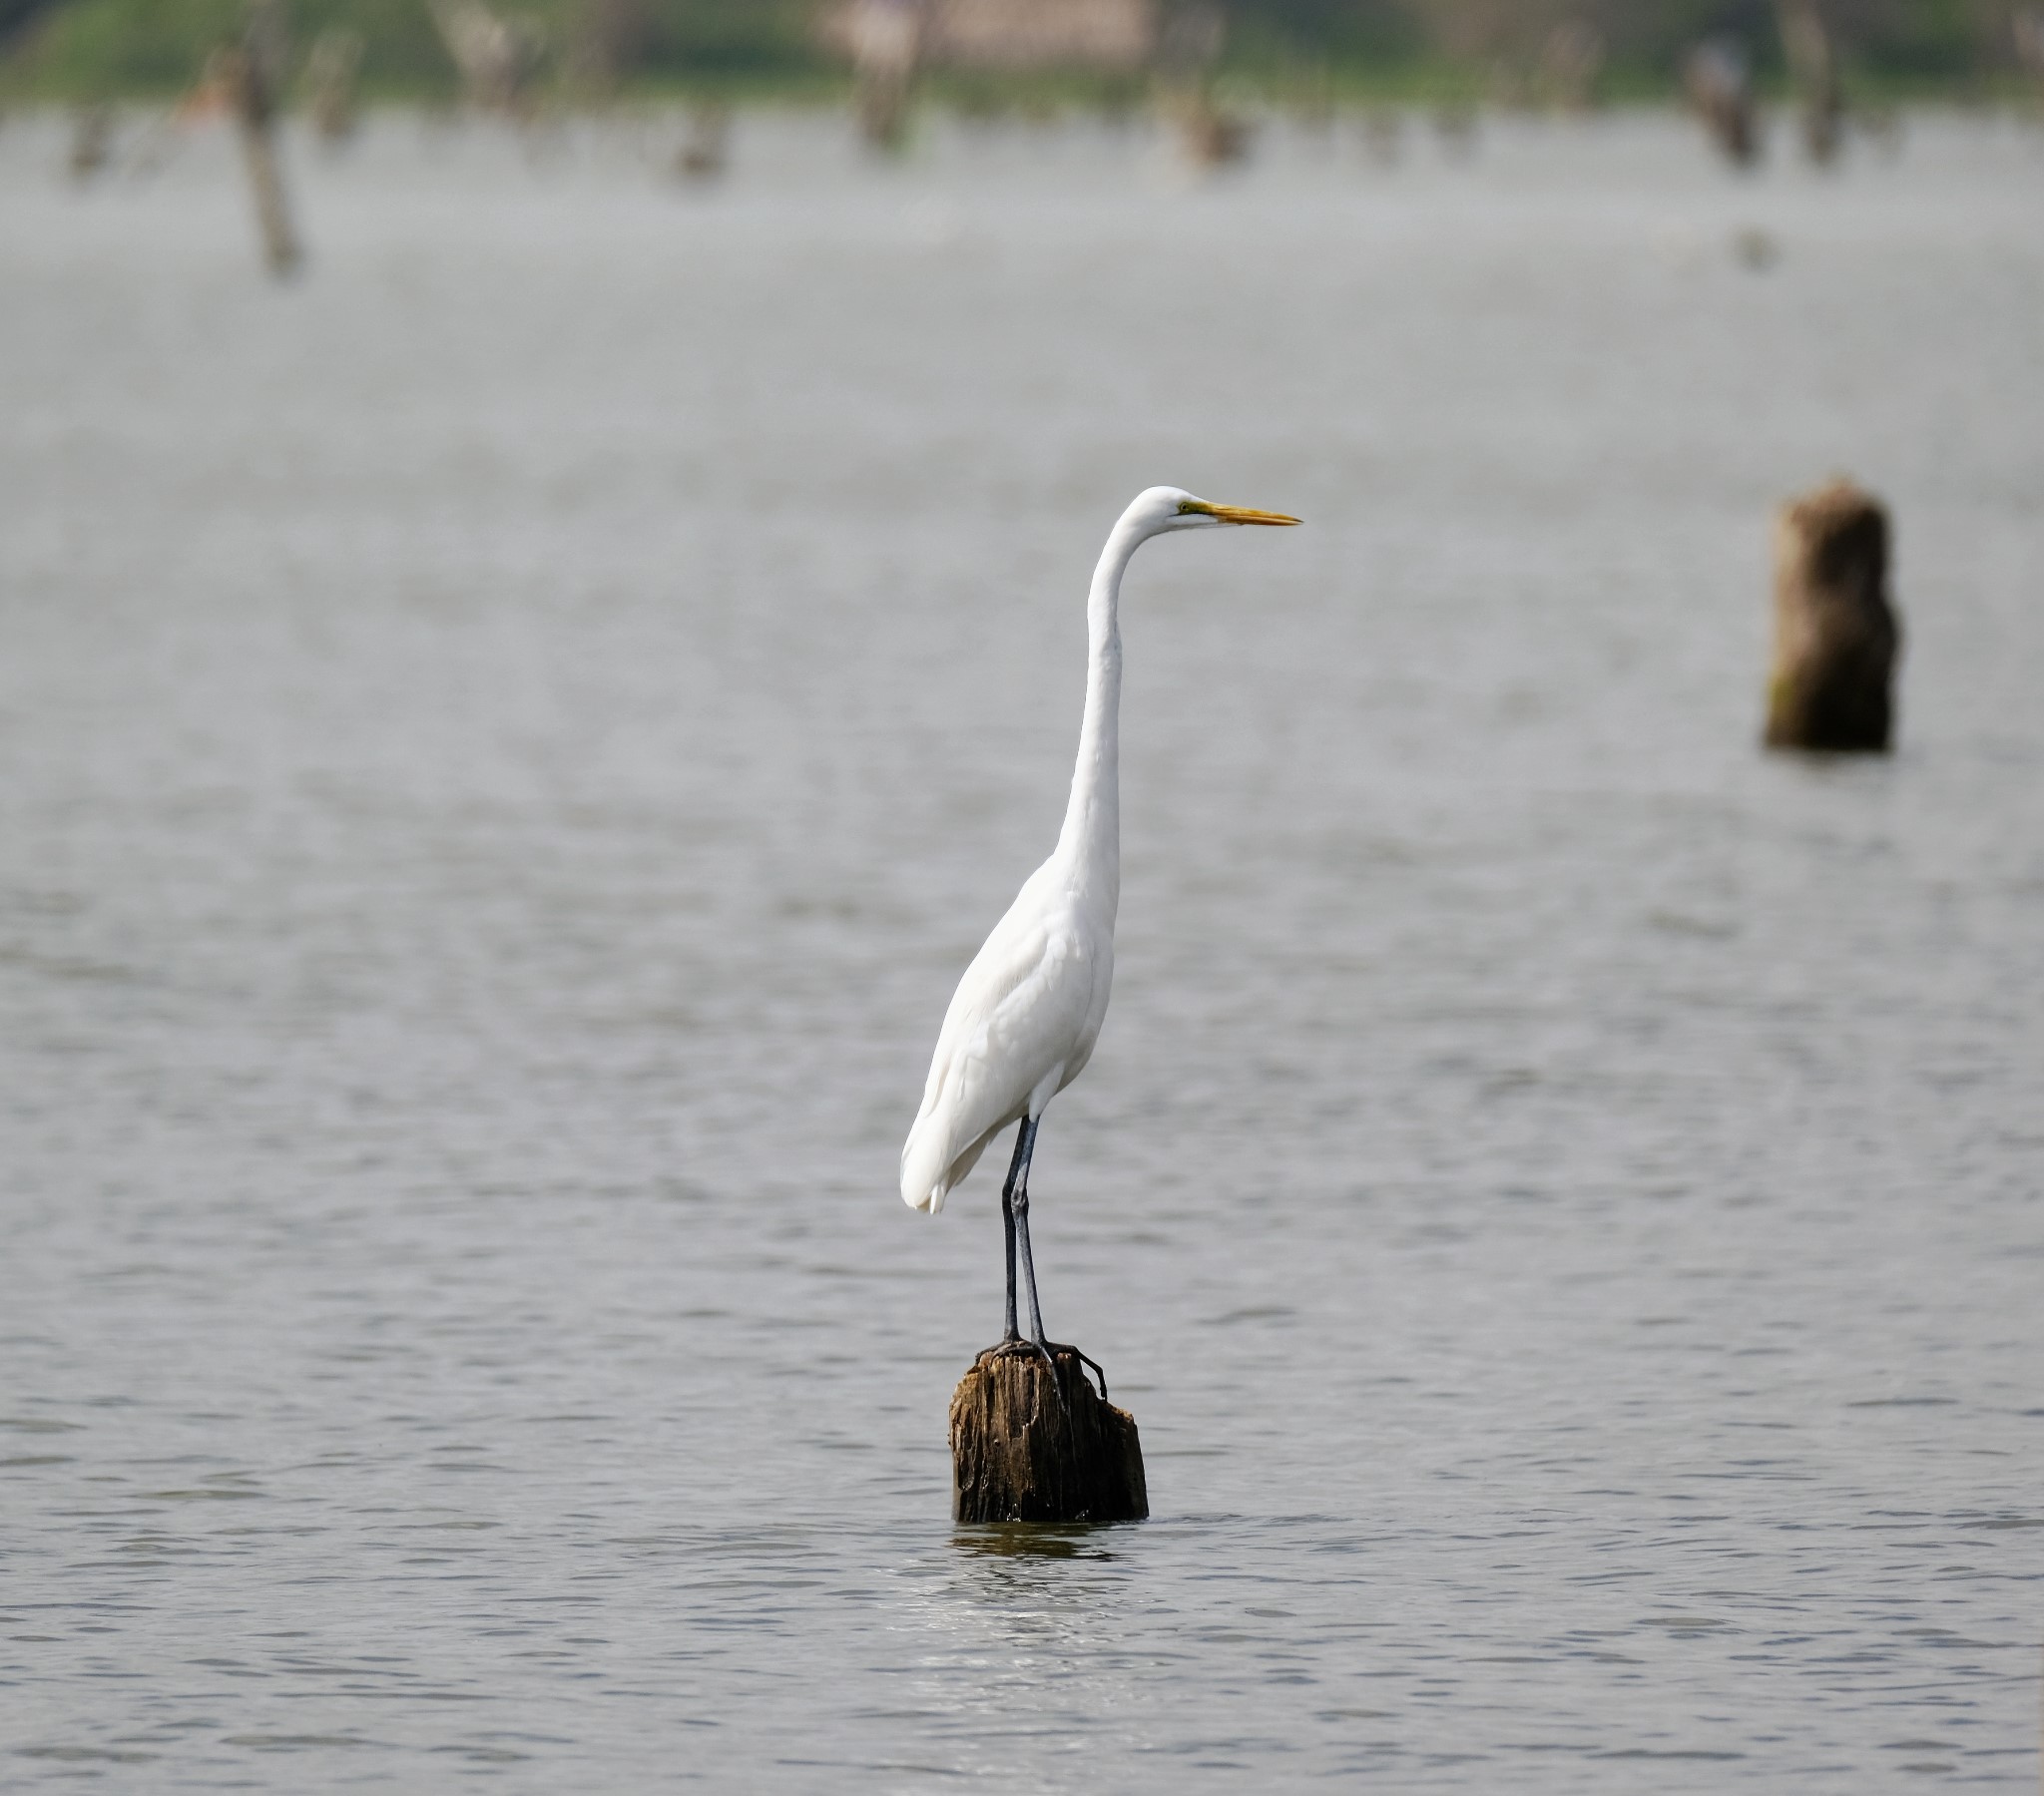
[(509, 742)]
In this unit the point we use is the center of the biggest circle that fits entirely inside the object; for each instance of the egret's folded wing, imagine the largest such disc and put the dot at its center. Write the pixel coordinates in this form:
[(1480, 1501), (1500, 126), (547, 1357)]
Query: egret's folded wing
[(1013, 1021)]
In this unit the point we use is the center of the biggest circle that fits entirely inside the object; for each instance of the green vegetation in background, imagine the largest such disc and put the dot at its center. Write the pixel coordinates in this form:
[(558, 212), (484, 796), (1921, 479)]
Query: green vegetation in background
[(1931, 42), (1330, 49), (99, 47)]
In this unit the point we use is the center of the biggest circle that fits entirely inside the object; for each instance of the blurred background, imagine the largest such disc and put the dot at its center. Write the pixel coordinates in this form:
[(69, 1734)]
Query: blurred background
[(1018, 52), (541, 565)]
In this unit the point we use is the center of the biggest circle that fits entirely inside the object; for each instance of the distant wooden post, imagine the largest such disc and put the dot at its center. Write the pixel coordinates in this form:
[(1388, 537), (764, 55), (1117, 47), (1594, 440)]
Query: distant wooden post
[(92, 139), (1808, 46), (1836, 634), (2026, 30), (885, 38), (249, 76), (1455, 127), (498, 59), (332, 68), (705, 145), (1024, 1449), (607, 39), (1719, 89), (890, 43), (1383, 127), (1186, 55), (1570, 62), (1313, 96)]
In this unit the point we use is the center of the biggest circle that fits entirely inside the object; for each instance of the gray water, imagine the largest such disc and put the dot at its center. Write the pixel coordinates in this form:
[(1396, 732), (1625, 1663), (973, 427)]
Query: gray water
[(509, 742)]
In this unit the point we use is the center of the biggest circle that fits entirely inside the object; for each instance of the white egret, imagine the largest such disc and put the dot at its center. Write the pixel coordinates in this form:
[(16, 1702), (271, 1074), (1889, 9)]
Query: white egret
[(1022, 1024)]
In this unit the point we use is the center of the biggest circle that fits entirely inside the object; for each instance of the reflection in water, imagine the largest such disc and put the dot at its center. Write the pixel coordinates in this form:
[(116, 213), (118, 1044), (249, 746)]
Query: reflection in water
[(1038, 1539), (1038, 1635)]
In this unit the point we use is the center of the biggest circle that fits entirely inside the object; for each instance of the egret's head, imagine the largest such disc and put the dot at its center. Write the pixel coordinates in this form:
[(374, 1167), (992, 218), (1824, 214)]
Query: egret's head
[(1173, 508)]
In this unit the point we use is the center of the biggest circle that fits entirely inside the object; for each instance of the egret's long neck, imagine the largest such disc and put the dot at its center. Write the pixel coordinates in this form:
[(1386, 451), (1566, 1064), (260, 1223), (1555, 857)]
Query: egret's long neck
[(1090, 843)]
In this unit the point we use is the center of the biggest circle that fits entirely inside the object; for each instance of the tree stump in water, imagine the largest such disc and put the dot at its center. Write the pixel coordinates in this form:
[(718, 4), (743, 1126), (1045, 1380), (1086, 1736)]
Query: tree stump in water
[(1836, 635), (250, 76), (1719, 89), (1020, 1453)]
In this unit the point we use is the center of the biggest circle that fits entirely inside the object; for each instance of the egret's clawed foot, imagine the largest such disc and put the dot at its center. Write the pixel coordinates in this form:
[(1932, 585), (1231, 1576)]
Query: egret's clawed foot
[(1020, 1344), (1048, 1352), (1099, 1370), (1035, 1349)]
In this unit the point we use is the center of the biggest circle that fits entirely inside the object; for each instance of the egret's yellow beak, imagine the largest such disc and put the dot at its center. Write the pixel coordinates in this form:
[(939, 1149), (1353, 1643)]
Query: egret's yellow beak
[(1234, 514)]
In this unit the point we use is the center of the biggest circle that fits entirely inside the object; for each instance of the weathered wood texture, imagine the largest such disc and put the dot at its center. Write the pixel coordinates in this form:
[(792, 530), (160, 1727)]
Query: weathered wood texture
[(1836, 634), (1019, 1455)]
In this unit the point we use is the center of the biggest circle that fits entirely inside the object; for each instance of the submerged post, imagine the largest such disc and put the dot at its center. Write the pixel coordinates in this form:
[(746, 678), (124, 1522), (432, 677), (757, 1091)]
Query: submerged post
[(92, 139), (886, 39), (498, 58), (1186, 55), (249, 75), (333, 68), (1570, 62), (2026, 30), (1025, 1447), (705, 147), (1836, 634), (1718, 83), (1808, 46)]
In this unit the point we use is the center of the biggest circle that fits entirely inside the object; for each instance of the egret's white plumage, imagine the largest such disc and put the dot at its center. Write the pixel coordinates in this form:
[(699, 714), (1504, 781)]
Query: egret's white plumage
[(1025, 1016), (1021, 1027)]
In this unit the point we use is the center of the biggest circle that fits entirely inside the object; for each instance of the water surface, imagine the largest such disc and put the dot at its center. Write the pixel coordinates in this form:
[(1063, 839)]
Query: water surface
[(509, 742)]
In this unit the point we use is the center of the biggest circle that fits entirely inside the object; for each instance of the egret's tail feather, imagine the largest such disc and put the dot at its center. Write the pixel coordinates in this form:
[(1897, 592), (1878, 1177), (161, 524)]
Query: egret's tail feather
[(929, 1169), (923, 1184)]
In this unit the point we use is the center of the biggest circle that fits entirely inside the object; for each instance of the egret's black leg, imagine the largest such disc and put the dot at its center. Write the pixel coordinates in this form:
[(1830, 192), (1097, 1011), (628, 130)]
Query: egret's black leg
[(1018, 1169), (1029, 1268), (1015, 1206), (1024, 1151)]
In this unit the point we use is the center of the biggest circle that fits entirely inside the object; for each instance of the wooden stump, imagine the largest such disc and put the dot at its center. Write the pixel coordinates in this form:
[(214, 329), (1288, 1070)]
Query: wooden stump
[(885, 40), (1836, 635), (1808, 46), (1719, 89), (92, 139), (704, 149), (250, 76), (333, 68), (2028, 30), (1211, 137), (1018, 1454)]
